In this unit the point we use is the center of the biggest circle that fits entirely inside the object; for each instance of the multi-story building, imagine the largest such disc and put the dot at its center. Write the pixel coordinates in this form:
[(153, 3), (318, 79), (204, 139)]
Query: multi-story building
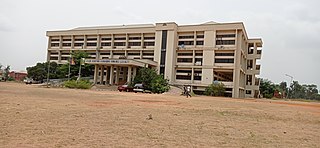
[(195, 55)]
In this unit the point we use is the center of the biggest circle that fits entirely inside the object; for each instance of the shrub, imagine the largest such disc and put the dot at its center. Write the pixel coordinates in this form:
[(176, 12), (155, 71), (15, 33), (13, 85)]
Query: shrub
[(159, 84), (82, 84), (151, 80), (216, 89)]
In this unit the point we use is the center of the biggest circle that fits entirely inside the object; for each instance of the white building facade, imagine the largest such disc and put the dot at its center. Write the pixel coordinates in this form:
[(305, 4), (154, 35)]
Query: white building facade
[(195, 55)]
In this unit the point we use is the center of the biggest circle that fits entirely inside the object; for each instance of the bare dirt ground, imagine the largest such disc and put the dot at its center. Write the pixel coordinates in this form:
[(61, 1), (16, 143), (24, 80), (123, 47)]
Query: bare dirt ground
[(31, 116)]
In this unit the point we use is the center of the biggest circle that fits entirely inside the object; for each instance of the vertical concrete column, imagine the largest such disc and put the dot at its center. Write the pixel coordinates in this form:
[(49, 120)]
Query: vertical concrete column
[(111, 74), (124, 73), (95, 77), (194, 39), (142, 41), (60, 43), (236, 72), (117, 75), (98, 47), (193, 57), (134, 72), (59, 56), (192, 75), (129, 74), (84, 42), (49, 42), (101, 74), (72, 41)]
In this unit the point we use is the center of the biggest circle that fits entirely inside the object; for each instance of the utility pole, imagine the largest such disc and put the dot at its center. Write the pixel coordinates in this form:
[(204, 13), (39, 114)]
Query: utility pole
[(81, 63), (290, 83)]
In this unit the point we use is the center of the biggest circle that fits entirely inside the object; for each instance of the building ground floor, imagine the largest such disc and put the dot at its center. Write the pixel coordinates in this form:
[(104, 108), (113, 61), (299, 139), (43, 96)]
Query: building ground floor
[(121, 71)]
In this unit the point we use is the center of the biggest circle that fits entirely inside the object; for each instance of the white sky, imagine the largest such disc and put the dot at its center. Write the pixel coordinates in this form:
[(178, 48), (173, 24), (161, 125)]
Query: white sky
[(290, 29)]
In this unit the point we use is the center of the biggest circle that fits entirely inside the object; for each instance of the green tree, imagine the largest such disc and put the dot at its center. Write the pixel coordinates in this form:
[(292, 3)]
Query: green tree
[(267, 88), (6, 72), (37, 72), (151, 80), (145, 76), (297, 91), (86, 70), (159, 84), (215, 89)]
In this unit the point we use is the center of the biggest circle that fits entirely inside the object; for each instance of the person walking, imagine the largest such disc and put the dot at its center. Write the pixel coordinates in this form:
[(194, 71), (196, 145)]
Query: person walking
[(188, 93)]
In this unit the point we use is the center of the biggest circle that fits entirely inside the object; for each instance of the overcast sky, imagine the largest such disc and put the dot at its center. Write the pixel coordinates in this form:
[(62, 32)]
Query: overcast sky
[(289, 29)]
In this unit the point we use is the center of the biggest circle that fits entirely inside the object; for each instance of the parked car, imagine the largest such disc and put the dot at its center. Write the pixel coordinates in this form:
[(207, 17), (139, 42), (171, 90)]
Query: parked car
[(31, 81), (138, 88), (125, 87)]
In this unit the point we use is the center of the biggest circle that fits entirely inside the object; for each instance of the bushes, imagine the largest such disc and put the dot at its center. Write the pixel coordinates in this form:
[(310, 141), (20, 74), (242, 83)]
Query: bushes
[(151, 80), (215, 89), (82, 84), (159, 84)]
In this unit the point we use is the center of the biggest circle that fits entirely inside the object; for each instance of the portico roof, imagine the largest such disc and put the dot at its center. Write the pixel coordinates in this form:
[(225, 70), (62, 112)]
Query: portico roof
[(122, 62)]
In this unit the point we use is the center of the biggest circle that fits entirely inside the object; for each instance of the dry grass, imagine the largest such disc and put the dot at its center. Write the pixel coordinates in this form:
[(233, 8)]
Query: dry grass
[(31, 116)]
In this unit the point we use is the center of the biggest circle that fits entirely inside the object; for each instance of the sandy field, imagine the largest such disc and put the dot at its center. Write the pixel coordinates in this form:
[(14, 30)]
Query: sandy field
[(32, 116)]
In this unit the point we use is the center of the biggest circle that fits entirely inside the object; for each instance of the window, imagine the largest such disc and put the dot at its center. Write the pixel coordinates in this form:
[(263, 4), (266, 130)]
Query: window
[(134, 43), (149, 38), (226, 36), (199, 42), (55, 40), (106, 44), (105, 39), (66, 44), (79, 39), (248, 92), (224, 54), (185, 42), (200, 36), (54, 44), (183, 71), (225, 42), (53, 58), (148, 43), (185, 54), (184, 60), (186, 37), (183, 77), (91, 44), (66, 39), (119, 43), (197, 74), (148, 53), (224, 60), (134, 53), (118, 53), (104, 53), (91, 39), (78, 44), (199, 53), (134, 38), (120, 38)]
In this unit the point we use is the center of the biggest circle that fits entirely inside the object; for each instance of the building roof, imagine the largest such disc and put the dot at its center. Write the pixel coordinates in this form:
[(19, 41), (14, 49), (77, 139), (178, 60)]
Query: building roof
[(115, 27)]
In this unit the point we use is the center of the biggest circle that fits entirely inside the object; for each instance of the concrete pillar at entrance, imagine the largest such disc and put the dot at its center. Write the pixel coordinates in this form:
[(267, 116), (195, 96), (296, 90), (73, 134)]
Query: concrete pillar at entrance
[(129, 74), (95, 77), (111, 75), (101, 74), (117, 74), (134, 72)]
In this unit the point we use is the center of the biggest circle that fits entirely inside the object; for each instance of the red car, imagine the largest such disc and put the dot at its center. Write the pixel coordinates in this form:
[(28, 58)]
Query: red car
[(125, 87)]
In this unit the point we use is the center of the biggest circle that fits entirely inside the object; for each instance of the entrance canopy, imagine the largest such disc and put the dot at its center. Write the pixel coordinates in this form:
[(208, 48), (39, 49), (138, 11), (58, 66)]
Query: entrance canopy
[(123, 62)]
